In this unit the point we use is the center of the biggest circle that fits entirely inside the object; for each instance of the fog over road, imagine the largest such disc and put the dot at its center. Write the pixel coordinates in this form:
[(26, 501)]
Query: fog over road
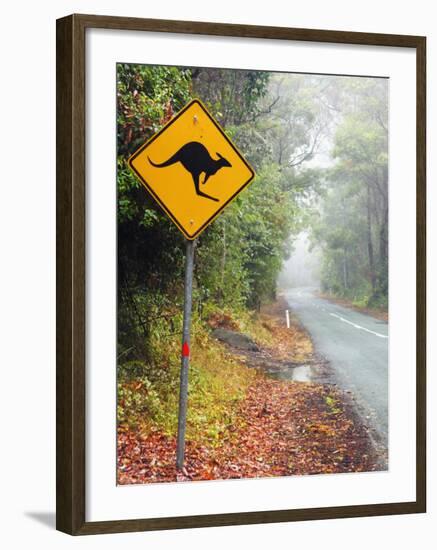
[(356, 345)]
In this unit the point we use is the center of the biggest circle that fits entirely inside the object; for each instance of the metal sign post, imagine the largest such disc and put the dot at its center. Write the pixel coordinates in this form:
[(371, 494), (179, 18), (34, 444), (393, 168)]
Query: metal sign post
[(183, 392)]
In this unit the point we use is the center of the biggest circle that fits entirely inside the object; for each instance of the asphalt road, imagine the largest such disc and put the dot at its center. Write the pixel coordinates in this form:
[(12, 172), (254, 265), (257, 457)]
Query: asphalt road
[(356, 345)]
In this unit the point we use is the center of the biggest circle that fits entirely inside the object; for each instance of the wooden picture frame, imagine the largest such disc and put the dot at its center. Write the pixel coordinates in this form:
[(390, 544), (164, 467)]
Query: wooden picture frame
[(71, 283)]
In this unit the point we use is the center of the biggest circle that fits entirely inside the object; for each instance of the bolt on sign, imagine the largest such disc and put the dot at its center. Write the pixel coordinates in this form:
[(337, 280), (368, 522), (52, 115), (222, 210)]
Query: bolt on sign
[(192, 169)]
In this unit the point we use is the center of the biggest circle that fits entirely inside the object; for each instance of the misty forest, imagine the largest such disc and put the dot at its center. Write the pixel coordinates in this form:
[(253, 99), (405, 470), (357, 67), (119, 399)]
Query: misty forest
[(316, 215)]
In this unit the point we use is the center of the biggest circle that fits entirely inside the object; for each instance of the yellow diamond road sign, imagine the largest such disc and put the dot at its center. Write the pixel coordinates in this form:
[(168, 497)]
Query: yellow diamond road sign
[(192, 169)]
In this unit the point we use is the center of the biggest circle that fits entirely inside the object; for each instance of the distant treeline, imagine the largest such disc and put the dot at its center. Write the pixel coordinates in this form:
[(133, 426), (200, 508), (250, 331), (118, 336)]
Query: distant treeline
[(350, 221)]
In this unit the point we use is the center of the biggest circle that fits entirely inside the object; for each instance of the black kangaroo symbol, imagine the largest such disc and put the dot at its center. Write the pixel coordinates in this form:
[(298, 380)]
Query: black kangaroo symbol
[(196, 159)]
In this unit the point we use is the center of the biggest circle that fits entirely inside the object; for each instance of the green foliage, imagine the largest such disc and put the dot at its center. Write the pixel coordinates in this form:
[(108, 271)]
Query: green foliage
[(267, 221), (232, 96), (241, 254), (137, 401), (146, 96), (148, 392)]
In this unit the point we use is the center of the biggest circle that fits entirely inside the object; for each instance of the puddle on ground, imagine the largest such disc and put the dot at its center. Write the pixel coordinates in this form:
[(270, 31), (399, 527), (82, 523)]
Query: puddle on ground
[(279, 369), (297, 374)]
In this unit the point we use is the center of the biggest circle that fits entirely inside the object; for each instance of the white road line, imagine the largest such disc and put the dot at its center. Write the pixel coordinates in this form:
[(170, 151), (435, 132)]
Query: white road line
[(358, 326)]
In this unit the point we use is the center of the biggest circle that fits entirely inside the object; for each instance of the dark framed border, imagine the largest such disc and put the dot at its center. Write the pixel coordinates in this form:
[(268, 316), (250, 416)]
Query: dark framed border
[(70, 273)]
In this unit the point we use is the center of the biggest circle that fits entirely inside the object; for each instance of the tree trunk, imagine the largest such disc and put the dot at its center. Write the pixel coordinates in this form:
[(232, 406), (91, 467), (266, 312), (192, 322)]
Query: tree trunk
[(345, 271), (383, 233), (370, 243)]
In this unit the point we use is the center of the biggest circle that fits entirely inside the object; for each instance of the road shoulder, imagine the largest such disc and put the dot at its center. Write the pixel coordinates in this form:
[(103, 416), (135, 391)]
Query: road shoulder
[(380, 314)]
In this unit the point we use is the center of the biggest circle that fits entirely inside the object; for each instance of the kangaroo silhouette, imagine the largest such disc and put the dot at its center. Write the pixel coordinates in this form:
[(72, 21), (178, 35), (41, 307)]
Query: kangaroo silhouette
[(195, 158)]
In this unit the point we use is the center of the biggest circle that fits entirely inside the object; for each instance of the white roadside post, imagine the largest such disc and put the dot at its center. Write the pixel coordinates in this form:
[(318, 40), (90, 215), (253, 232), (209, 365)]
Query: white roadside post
[(287, 318)]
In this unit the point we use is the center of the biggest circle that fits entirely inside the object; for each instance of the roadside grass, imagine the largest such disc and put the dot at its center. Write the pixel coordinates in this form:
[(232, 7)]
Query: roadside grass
[(148, 392), (251, 323)]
